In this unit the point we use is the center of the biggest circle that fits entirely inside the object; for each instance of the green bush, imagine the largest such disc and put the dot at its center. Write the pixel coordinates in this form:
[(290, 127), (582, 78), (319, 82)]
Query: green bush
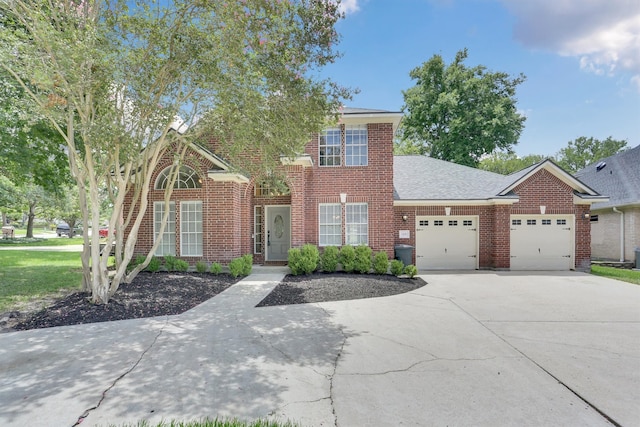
[(201, 266), (154, 265), (363, 259), (139, 259), (236, 267), (329, 259), (216, 268), (247, 264), (380, 263), (397, 267), (170, 262), (348, 258), (181, 265), (303, 260), (411, 270)]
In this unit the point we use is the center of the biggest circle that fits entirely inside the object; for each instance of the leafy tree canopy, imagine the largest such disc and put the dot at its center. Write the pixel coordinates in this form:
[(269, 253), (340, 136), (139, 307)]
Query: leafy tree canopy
[(506, 163), (584, 151), (459, 114)]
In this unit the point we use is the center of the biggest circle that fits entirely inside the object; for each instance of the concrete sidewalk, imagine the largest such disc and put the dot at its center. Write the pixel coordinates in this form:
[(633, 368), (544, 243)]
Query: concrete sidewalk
[(467, 349)]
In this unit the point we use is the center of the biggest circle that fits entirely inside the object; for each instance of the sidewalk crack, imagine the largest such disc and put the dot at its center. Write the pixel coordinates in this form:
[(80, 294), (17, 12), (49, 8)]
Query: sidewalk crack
[(88, 411)]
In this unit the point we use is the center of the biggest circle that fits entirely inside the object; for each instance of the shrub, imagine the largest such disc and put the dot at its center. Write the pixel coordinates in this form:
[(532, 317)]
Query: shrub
[(396, 267), (329, 259), (139, 259), (363, 259), (380, 263), (170, 262), (303, 260), (348, 258), (181, 265), (247, 264), (236, 267), (154, 265), (411, 270), (216, 268), (201, 266)]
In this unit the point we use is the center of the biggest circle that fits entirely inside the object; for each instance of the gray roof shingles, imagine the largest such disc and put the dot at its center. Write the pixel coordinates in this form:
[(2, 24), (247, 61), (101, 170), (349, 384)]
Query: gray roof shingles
[(619, 179), (426, 178)]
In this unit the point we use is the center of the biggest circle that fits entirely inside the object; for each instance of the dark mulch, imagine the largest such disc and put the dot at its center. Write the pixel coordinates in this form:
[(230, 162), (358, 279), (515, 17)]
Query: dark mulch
[(161, 294), (148, 295), (321, 287)]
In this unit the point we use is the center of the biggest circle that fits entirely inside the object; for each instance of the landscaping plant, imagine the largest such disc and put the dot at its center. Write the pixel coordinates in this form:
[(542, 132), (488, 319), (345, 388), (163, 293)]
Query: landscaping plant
[(216, 268), (236, 267), (362, 263), (411, 270), (247, 264), (170, 262), (380, 262), (303, 260), (397, 267), (329, 259), (181, 265), (201, 267), (153, 266), (348, 258)]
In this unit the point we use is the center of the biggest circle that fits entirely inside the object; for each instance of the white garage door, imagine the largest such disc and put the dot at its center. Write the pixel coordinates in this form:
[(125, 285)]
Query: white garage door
[(542, 242), (447, 242)]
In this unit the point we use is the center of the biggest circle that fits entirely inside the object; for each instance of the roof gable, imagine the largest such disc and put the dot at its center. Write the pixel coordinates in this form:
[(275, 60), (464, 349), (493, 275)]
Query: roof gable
[(518, 178)]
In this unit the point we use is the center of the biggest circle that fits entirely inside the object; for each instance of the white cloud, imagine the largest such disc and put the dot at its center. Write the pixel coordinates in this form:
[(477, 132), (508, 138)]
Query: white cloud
[(349, 6), (603, 34)]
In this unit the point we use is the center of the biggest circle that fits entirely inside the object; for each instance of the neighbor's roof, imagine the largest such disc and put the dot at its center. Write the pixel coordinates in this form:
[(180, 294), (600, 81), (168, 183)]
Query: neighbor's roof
[(422, 178), (617, 176)]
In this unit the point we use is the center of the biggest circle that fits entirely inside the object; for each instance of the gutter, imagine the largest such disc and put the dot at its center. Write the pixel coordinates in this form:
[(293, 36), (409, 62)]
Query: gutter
[(621, 232)]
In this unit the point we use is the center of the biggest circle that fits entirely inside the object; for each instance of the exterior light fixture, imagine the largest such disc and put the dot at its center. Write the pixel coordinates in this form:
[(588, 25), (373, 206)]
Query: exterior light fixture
[(343, 197), (405, 217)]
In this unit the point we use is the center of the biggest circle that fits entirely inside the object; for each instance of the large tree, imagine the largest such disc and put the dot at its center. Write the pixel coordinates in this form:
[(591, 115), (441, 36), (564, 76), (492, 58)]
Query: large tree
[(584, 151), (506, 163), (113, 76), (459, 114)]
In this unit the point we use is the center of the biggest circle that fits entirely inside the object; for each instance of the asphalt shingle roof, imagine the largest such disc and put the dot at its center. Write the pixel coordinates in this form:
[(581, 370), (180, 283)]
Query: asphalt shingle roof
[(619, 179), (426, 178)]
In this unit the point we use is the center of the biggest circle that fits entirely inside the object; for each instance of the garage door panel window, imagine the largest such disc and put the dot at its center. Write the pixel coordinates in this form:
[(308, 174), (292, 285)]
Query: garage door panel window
[(438, 223), (168, 244), (191, 228)]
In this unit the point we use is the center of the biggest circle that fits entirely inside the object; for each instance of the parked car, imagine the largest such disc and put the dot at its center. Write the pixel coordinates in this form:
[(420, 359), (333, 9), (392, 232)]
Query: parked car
[(103, 231), (63, 229)]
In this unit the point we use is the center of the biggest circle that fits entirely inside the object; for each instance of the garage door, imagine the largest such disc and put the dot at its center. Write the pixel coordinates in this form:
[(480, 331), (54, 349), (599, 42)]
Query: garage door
[(447, 242), (542, 242)]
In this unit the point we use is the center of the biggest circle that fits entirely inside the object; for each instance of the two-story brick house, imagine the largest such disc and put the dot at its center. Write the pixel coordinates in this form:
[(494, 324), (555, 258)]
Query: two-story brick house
[(348, 188)]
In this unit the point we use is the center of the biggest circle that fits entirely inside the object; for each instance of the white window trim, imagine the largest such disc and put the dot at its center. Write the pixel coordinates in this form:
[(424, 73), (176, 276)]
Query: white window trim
[(360, 144), (257, 235), (167, 235), (183, 233), (320, 224), (339, 145), (347, 224)]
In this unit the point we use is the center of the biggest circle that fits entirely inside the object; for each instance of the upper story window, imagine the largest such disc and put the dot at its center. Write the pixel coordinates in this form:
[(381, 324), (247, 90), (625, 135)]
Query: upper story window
[(356, 145), (330, 147), (187, 178)]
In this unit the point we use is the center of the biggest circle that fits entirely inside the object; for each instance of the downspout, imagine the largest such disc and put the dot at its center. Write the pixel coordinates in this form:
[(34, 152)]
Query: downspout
[(621, 233)]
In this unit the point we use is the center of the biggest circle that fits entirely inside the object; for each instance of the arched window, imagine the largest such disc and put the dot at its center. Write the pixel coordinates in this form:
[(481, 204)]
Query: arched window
[(187, 178)]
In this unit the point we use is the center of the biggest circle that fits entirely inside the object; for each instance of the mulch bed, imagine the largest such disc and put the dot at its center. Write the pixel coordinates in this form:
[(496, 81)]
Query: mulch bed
[(322, 287), (162, 294)]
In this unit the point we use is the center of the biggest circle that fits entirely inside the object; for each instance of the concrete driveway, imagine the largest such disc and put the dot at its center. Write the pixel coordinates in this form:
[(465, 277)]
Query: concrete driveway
[(481, 348)]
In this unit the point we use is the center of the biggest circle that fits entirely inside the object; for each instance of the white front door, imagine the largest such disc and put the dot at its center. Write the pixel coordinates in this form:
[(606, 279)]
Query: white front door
[(447, 242), (542, 242), (278, 224)]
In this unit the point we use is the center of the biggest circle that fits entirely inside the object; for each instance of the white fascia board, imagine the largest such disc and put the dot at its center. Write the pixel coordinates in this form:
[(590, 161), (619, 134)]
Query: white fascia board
[(366, 118), (304, 160), (577, 200), (223, 176), (556, 171), (471, 202)]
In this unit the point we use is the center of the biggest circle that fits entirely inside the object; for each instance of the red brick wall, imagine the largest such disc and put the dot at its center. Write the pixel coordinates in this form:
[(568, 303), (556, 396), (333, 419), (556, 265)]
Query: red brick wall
[(541, 189)]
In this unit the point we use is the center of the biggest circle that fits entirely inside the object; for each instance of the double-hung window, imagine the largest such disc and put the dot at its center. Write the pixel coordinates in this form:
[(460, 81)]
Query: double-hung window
[(191, 228), (357, 224), (168, 244), (330, 223), (331, 147), (356, 145)]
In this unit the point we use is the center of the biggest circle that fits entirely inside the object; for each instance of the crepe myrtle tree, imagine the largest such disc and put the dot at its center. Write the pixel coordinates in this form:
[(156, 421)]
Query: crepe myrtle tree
[(113, 77)]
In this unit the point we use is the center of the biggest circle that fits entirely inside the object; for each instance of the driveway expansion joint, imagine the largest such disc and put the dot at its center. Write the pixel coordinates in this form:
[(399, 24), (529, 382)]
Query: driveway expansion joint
[(88, 411)]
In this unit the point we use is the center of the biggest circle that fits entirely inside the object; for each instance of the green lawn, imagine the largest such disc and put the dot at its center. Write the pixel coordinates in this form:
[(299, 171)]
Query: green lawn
[(630, 276), (51, 241), (27, 275)]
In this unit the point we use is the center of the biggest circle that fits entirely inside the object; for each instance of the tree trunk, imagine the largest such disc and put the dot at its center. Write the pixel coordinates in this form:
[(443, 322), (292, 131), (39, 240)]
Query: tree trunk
[(30, 217)]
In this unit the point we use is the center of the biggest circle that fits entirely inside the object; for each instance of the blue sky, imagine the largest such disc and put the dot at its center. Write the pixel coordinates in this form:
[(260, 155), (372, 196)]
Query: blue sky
[(581, 59)]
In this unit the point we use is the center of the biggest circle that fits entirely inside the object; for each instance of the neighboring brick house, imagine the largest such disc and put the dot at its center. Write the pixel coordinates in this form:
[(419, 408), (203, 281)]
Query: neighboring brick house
[(615, 224), (348, 188)]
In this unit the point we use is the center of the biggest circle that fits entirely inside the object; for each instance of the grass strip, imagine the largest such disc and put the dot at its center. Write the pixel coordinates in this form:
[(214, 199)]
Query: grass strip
[(631, 276)]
